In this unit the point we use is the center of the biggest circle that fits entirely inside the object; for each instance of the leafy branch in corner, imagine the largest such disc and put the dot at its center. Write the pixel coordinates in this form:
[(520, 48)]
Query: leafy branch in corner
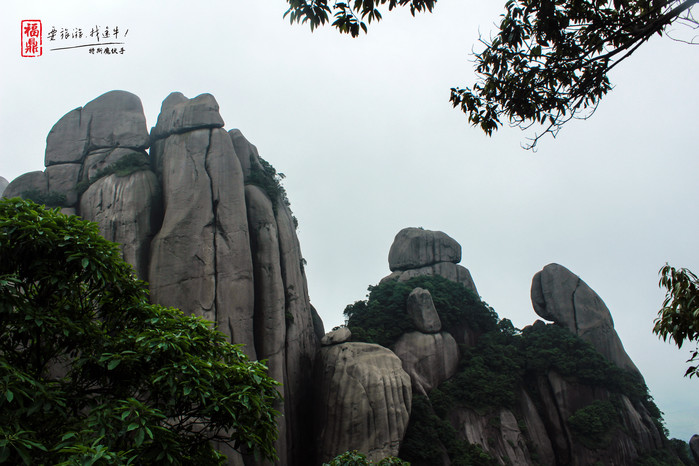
[(548, 63), (679, 317)]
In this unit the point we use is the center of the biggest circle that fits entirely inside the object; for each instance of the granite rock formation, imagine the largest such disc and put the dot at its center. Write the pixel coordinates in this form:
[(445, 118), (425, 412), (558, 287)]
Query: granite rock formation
[(422, 311), (416, 251), (203, 219), (561, 296), (336, 337), (363, 401), (182, 202), (429, 358)]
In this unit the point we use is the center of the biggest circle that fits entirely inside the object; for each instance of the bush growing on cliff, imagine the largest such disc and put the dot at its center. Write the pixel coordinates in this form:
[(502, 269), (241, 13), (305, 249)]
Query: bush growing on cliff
[(91, 372), (354, 458), (50, 199), (268, 179), (593, 423), (382, 318)]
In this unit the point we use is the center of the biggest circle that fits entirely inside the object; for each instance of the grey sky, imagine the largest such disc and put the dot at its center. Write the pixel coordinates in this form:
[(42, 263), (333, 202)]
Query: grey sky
[(369, 143)]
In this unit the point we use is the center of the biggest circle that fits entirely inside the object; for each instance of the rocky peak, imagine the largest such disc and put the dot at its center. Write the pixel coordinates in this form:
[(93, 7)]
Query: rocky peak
[(416, 251), (560, 296), (413, 248)]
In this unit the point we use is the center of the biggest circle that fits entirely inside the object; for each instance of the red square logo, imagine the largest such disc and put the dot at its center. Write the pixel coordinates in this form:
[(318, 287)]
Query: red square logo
[(31, 38)]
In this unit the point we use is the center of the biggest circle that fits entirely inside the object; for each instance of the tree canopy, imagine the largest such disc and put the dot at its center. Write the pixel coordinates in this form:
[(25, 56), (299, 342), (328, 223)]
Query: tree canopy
[(547, 64), (678, 320), (90, 372)]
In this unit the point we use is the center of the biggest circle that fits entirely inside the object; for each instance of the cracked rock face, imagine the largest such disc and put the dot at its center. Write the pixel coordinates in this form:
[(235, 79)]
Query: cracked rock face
[(560, 296), (206, 243), (3, 184), (363, 401)]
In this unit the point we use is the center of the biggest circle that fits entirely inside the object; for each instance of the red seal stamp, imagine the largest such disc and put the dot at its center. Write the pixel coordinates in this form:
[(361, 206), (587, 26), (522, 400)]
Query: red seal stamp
[(31, 38)]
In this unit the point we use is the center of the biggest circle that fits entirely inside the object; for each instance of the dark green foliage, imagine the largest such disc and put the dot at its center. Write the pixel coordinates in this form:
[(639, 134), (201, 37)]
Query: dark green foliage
[(488, 377), (266, 177), (383, 318), (354, 458), (50, 199), (492, 373), (429, 437), (681, 449), (677, 453), (679, 317), (130, 163), (89, 370), (549, 60), (593, 424)]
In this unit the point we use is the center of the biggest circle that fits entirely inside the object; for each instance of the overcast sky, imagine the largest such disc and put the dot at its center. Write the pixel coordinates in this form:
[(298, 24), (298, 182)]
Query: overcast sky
[(365, 134)]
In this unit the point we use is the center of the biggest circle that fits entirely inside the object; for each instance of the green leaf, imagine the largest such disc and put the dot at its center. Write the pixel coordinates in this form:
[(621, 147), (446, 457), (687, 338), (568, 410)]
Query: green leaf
[(85, 262), (113, 363), (9, 396)]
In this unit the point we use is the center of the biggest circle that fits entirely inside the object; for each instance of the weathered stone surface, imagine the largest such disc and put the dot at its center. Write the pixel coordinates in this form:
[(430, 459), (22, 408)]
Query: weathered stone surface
[(247, 153), (182, 267), (200, 259), (318, 327), (421, 310), (234, 269), (561, 296), (3, 185), (498, 434), (63, 179), (270, 318), (561, 399), (179, 114), (128, 211), (429, 359), (301, 342), (536, 430), (67, 141), (99, 159), (363, 401), (414, 247), (336, 337), (32, 181), (115, 119), (448, 270)]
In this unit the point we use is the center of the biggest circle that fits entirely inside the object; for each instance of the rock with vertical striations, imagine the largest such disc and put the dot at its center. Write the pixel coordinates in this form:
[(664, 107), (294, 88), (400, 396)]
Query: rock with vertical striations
[(269, 321), (128, 211), (363, 401), (561, 296), (429, 359), (3, 185)]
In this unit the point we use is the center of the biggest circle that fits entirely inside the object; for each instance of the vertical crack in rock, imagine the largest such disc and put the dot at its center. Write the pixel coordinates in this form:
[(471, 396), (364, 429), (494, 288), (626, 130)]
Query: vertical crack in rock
[(215, 221), (574, 308)]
